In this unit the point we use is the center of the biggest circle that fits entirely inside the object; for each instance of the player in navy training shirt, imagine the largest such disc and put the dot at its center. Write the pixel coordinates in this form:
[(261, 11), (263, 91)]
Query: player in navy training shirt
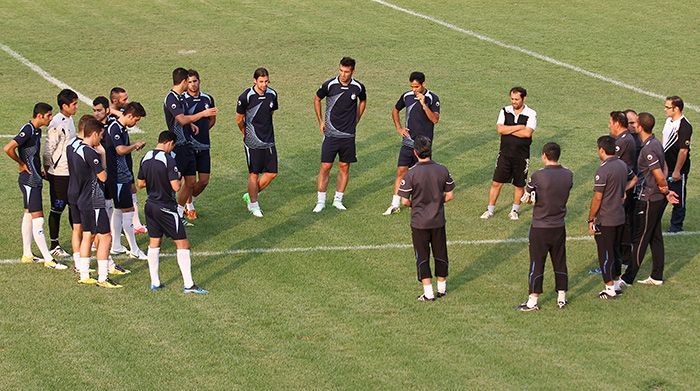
[(195, 102), (25, 150), (178, 122), (254, 118), (422, 113), (346, 99), (159, 174)]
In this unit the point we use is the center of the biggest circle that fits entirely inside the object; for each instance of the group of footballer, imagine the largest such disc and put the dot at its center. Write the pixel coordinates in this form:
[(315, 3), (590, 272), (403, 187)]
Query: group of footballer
[(100, 187)]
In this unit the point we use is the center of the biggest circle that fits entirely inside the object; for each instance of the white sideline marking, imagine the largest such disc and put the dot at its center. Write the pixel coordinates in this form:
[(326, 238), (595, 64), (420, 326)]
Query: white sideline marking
[(50, 79), (386, 246), (530, 53), (186, 52)]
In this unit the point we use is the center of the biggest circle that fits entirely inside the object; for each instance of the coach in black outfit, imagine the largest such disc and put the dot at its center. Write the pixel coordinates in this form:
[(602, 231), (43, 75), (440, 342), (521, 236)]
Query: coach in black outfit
[(549, 190), (607, 214), (425, 188), (625, 149), (652, 195)]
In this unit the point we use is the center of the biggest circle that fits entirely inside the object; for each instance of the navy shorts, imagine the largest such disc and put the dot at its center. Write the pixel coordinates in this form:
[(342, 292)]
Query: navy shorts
[(32, 198), (73, 213), (511, 170), (406, 157), (344, 148), (185, 160), (163, 221), (202, 160), (94, 221), (122, 196), (261, 160)]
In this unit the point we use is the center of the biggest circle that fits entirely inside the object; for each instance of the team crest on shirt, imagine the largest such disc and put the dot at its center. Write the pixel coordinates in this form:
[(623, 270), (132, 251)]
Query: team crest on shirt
[(597, 177), (617, 148), (117, 137), (96, 162), (649, 157), (437, 103), (687, 142), (21, 134), (173, 106), (271, 104), (206, 106), (353, 96), (403, 182), (175, 169)]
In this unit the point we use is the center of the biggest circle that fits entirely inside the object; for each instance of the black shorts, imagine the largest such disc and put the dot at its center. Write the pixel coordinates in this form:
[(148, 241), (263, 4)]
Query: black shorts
[(406, 157), (343, 147), (163, 221), (73, 213), (185, 160), (58, 192), (122, 196), (94, 221), (261, 160), (32, 198), (202, 160), (423, 241), (511, 170)]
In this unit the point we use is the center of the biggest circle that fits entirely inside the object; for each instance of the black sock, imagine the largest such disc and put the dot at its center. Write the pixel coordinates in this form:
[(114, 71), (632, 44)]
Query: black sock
[(54, 224)]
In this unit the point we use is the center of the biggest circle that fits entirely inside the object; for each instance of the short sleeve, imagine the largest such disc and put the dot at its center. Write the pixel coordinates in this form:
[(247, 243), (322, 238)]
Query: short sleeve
[(94, 161), (599, 182), (23, 136), (685, 130), (435, 104), (275, 103), (322, 90), (116, 137), (141, 175), (501, 117), (531, 184), (242, 104), (652, 160), (174, 105), (406, 186), (532, 121), (400, 104), (449, 182), (211, 100), (363, 93), (173, 172)]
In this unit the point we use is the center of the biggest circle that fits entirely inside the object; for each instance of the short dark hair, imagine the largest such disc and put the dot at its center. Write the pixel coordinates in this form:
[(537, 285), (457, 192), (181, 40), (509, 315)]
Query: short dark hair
[(417, 76), (347, 62), (114, 92), (519, 90), (166, 136), (135, 109), (423, 147), (41, 108), (83, 120), (620, 117), (92, 126), (552, 151), (647, 122), (101, 100), (192, 72), (259, 72), (607, 143), (629, 111), (66, 97), (179, 74), (676, 101)]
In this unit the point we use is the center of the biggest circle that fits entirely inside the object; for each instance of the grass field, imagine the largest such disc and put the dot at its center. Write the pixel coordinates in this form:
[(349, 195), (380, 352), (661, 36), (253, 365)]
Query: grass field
[(347, 319)]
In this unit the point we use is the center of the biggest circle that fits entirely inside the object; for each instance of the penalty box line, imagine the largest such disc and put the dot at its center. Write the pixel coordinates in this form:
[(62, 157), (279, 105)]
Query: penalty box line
[(386, 246)]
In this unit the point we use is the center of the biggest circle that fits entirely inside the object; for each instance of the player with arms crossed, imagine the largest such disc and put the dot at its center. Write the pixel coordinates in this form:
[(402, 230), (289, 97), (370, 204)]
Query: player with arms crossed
[(422, 114), (159, 174), (346, 99)]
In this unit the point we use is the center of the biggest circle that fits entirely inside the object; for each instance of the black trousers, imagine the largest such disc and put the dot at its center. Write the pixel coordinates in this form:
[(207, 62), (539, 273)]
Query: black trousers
[(545, 241), (58, 191), (423, 241), (648, 215), (678, 211), (608, 242), (628, 229)]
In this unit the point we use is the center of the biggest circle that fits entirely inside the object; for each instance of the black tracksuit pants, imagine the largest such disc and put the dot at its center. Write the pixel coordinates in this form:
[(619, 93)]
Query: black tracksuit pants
[(543, 241), (648, 215)]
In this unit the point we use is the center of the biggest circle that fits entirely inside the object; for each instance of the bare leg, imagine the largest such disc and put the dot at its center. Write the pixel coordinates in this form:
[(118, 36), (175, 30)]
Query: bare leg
[(343, 176), (323, 175)]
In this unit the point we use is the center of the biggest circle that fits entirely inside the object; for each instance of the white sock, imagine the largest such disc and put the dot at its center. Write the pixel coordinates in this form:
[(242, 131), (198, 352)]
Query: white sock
[(116, 228), (396, 201), (610, 290), (137, 219), (111, 262), (180, 210), (40, 239), (76, 260), (109, 208), (128, 225), (321, 198), (185, 263), (27, 235), (84, 268), (153, 254), (442, 286), (516, 207), (532, 301), (190, 206), (102, 269), (562, 296), (491, 208), (338, 197), (253, 205), (428, 291), (616, 284)]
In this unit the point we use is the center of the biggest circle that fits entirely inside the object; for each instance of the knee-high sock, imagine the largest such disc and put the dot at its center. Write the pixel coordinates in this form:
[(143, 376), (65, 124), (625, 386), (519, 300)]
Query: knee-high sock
[(27, 235), (40, 239), (153, 255), (128, 226), (109, 208), (116, 228), (84, 268), (102, 269), (185, 263), (54, 226), (136, 220)]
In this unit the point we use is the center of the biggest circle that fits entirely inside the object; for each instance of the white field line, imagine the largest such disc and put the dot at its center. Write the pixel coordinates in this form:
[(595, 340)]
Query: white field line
[(386, 246), (50, 79), (530, 53)]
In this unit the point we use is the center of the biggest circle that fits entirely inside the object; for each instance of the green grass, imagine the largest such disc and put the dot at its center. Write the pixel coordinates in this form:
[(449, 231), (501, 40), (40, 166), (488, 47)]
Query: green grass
[(347, 319)]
